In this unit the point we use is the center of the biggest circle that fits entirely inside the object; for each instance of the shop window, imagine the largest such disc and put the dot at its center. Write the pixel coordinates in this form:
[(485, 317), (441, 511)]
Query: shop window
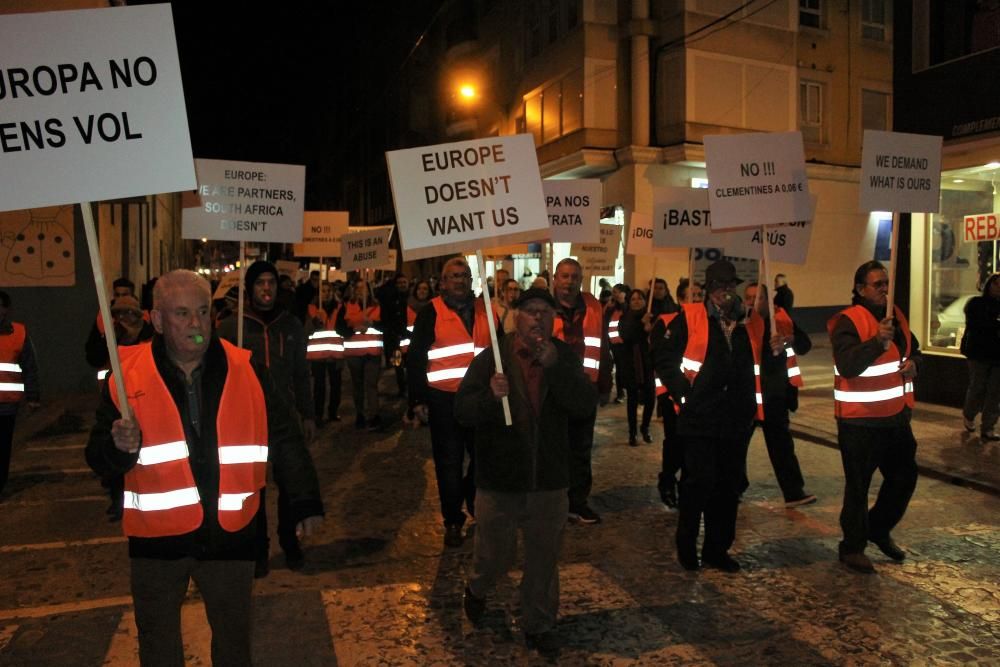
[(873, 20), (811, 111), (874, 110), (811, 13)]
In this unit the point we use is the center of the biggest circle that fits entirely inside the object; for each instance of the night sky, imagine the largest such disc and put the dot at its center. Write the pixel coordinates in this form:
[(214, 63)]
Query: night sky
[(290, 84)]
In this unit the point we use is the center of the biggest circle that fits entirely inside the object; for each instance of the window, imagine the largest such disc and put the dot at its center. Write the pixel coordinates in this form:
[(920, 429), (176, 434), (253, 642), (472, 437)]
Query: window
[(811, 13), (811, 111), (873, 19), (546, 22), (557, 110), (874, 110)]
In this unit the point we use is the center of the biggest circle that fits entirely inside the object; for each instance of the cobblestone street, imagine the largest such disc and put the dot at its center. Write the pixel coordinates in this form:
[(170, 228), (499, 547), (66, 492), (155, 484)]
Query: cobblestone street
[(379, 588)]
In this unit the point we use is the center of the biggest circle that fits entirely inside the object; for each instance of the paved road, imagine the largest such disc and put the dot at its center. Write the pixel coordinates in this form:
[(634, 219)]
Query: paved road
[(378, 587)]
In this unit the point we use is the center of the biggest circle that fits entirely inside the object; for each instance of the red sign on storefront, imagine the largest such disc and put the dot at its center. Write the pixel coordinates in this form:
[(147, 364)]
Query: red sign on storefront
[(981, 227)]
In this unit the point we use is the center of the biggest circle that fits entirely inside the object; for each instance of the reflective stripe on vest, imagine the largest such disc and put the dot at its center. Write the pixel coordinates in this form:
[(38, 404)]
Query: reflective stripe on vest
[(453, 349), (614, 336), (756, 328), (161, 496), (696, 348), (593, 325), (367, 342), (324, 343), (11, 373), (880, 390), (661, 389), (411, 317)]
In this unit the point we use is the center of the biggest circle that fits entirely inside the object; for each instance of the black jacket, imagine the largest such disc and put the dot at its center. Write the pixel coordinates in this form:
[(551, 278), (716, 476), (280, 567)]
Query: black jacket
[(721, 402), (534, 453), (982, 330), (634, 359), (291, 462)]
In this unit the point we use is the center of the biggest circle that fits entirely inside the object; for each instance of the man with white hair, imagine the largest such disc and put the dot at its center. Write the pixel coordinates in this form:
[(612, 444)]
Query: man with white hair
[(194, 452)]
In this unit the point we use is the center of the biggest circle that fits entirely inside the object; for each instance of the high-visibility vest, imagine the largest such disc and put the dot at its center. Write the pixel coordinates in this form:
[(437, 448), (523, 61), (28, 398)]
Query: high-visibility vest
[(11, 378), (367, 342), (879, 391), (755, 330), (324, 343), (696, 315), (593, 325), (661, 389), (453, 348), (411, 317), (615, 317), (161, 496)]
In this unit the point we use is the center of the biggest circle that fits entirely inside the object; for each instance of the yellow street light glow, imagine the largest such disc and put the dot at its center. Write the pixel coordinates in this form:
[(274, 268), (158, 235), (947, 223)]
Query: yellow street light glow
[(467, 91)]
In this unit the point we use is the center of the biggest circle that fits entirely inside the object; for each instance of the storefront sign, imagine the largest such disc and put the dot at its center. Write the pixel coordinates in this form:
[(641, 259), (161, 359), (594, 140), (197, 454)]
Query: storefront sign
[(467, 195), (87, 98), (247, 201), (574, 208), (321, 232), (640, 235), (900, 172), (681, 218), (756, 179), (981, 227), (366, 249)]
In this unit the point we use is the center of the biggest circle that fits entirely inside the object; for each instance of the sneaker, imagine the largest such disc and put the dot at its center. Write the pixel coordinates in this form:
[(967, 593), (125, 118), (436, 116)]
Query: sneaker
[(857, 562), (546, 643), (584, 515), (990, 436), (475, 607), (453, 536), (807, 499), (970, 424)]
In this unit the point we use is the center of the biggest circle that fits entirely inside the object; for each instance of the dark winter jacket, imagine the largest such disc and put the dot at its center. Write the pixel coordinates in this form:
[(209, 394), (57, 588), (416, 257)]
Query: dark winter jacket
[(982, 330)]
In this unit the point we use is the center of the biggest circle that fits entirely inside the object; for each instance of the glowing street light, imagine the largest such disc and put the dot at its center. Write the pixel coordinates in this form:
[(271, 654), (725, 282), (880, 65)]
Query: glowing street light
[(467, 91)]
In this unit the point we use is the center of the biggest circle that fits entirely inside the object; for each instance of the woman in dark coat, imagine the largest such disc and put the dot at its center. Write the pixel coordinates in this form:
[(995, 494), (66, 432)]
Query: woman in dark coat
[(637, 367)]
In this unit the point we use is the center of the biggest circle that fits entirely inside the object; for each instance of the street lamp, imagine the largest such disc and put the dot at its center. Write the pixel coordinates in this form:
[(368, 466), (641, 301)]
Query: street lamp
[(467, 92)]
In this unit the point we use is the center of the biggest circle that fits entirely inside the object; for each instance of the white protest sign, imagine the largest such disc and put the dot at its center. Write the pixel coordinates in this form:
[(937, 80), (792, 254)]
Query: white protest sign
[(756, 179), (786, 243), (640, 235), (247, 201), (574, 208), (900, 172), (390, 263), (91, 107), (228, 281), (321, 232), (288, 268), (599, 258), (467, 195), (367, 249), (682, 219), (980, 227)]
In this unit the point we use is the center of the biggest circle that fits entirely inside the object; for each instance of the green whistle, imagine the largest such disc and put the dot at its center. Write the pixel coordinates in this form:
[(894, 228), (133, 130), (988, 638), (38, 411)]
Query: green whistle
[(199, 339)]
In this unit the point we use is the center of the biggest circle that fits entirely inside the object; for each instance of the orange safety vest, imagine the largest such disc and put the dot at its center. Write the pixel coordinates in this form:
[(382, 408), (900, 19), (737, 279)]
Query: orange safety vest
[(660, 387), (161, 497), (593, 325), (453, 348), (879, 391), (367, 342), (324, 343), (755, 330), (411, 317), (11, 379), (614, 336)]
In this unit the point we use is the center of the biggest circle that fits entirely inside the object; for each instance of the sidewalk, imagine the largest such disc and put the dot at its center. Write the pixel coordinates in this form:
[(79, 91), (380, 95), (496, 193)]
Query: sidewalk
[(945, 450)]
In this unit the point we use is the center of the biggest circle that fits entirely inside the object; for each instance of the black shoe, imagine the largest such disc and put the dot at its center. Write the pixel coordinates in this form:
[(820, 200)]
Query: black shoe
[(857, 562), (619, 400), (688, 558), (887, 546), (475, 608), (646, 437), (295, 558), (453, 536), (546, 643), (261, 568), (722, 561), (807, 499), (667, 486), (632, 442), (375, 423), (584, 515), (334, 418), (359, 421)]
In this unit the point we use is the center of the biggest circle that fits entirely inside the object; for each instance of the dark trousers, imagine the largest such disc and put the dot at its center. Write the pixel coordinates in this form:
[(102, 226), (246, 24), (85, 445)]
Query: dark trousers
[(863, 449), (450, 441), (983, 394), (618, 358), (781, 451), (6, 446), (321, 372), (286, 526), (541, 518), (672, 455), (647, 395), (713, 468), (364, 381), (581, 445), (158, 590)]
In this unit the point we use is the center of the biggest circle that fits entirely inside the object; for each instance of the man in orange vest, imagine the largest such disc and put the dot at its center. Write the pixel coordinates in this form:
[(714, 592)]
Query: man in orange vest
[(779, 380), (18, 380), (194, 453), (876, 358), (704, 359), (580, 324), (447, 335)]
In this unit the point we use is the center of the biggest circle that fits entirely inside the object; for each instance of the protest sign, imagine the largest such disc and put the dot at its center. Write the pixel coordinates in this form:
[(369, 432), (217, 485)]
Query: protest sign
[(756, 179), (288, 268), (599, 258), (390, 263), (681, 218), (88, 96), (980, 227), (467, 195), (786, 243), (900, 172), (366, 249), (247, 201), (574, 208), (321, 232), (640, 235), (229, 280)]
